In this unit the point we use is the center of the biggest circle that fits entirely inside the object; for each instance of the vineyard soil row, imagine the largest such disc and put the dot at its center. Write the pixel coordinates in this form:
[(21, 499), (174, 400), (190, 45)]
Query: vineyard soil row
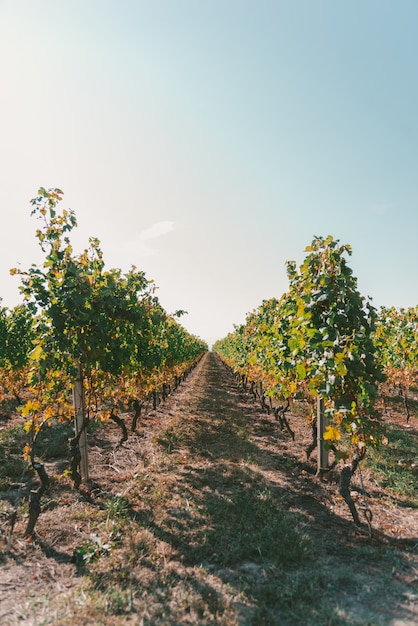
[(210, 514)]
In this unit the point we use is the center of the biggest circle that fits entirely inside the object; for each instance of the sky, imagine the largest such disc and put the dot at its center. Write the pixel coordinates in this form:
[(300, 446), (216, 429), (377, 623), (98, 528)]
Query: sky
[(207, 142)]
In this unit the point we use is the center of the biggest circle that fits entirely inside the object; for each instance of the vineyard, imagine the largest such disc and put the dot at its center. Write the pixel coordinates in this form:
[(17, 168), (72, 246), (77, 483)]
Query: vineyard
[(324, 344), (146, 480)]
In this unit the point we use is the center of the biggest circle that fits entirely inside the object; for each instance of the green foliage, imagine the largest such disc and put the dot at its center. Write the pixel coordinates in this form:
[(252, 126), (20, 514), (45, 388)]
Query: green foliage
[(88, 314), (17, 334), (90, 550), (317, 340), (396, 340), (80, 316)]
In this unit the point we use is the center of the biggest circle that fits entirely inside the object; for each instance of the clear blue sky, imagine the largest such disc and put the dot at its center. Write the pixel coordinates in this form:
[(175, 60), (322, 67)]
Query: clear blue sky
[(208, 141)]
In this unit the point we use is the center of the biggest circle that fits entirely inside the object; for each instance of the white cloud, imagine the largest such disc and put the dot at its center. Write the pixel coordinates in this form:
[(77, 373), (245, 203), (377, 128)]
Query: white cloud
[(156, 230), (141, 247)]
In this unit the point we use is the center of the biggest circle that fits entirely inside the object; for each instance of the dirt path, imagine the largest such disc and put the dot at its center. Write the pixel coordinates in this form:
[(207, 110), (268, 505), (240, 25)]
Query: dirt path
[(209, 515)]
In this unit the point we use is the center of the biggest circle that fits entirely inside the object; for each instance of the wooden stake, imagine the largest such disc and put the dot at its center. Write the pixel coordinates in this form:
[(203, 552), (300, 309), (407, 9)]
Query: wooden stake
[(321, 423), (79, 425)]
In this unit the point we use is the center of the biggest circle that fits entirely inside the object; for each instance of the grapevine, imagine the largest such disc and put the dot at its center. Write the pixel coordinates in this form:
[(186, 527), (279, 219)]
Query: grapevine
[(94, 334), (317, 342), (396, 339)]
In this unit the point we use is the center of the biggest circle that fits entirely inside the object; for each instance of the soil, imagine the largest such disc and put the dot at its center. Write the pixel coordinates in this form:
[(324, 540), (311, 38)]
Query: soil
[(157, 535)]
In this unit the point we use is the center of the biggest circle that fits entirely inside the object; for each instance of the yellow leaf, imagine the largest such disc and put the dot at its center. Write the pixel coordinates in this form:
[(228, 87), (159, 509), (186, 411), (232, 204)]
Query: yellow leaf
[(26, 409), (301, 310), (332, 434), (27, 426), (49, 413), (36, 353), (31, 406), (26, 453)]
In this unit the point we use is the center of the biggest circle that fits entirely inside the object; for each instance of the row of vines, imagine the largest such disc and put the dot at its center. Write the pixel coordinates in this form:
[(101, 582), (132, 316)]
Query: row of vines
[(323, 342), (86, 342)]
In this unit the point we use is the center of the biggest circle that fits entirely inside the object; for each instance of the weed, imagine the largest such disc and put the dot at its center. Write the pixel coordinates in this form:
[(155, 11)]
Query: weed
[(90, 550), (117, 603), (12, 465), (13, 439), (52, 442), (392, 465), (254, 528), (117, 508), (170, 440)]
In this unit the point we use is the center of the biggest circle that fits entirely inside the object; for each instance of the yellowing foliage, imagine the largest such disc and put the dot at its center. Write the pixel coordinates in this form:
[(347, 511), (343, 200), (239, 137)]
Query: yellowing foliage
[(332, 433)]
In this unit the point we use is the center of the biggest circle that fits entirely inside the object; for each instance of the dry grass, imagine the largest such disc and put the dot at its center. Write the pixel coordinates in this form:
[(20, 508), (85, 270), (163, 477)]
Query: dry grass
[(210, 516)]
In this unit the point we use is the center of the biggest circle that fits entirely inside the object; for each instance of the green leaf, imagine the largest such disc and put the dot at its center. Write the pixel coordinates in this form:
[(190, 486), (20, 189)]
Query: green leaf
[(301, 371)]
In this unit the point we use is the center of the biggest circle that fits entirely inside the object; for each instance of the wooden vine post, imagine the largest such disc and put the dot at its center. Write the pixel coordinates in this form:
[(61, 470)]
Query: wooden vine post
[(321, 422), (79, 423)]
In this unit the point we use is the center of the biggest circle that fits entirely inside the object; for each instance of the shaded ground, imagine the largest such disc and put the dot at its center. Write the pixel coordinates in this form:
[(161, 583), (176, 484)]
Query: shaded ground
[(210, 515)]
